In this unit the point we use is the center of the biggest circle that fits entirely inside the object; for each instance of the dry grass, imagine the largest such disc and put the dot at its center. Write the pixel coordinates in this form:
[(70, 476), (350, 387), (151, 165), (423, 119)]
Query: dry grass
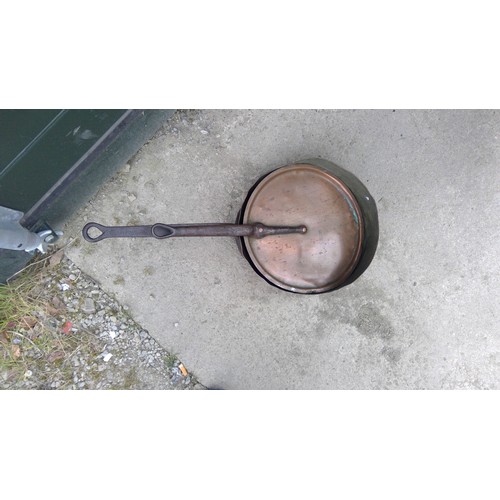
[(32, 338)]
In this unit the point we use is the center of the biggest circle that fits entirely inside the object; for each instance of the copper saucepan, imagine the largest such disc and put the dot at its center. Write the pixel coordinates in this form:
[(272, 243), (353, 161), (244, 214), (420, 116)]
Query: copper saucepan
[(310, 227)]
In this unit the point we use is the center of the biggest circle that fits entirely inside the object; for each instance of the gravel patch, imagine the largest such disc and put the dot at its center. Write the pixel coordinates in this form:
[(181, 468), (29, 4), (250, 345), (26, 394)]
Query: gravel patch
[(76, 336)]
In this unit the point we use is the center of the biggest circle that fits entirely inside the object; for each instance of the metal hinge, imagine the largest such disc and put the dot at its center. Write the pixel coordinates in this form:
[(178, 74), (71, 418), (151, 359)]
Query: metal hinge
[(13, 236)]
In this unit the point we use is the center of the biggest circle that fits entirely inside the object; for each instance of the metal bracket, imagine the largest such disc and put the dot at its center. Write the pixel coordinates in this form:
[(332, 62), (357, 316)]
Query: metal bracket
[(13, 236)]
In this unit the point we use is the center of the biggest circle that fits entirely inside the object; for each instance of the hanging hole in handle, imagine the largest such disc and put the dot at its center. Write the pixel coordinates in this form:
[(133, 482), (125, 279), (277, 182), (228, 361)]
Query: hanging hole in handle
[(93, 232)]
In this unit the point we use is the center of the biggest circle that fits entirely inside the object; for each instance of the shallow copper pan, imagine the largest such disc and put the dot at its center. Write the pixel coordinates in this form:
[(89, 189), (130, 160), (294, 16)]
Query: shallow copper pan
[(341, 220), (310, 227)]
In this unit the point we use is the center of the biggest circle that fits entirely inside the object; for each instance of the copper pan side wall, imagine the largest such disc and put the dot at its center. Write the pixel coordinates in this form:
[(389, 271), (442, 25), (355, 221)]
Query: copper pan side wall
[(341, 238)]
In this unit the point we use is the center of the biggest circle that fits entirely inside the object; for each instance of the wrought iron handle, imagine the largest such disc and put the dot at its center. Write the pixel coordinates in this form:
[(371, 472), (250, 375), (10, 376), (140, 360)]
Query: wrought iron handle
[(162, 231)]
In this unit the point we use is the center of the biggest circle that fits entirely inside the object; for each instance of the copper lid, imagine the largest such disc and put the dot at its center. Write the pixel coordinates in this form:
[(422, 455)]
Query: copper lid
[(327, 254)]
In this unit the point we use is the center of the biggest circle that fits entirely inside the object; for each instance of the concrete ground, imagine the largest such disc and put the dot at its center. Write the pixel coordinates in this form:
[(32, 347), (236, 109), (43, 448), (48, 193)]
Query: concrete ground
[(426, 313)]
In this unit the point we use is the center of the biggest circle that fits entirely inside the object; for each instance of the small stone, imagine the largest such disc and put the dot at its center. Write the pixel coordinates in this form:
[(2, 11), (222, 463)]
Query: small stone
[(72, 277), (113, 319), (81, 385), (88, 306), (126, 168), (64, 287), (131, 197), (112, 334), (56, 258), (143, 334), (107, 357), (176, 325), (101, 368), (204, 132)]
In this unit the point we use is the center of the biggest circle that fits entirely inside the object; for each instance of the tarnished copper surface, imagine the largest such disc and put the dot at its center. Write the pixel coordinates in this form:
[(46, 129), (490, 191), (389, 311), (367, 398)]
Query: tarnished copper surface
[(328, 252)]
